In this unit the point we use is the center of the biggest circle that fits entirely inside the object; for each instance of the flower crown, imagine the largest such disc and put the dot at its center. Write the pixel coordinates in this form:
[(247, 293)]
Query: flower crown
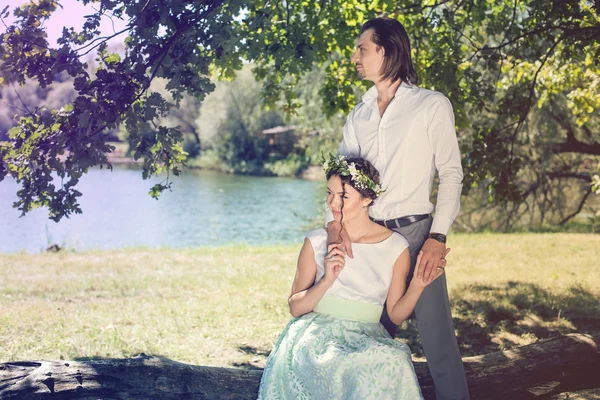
[(360, 179)]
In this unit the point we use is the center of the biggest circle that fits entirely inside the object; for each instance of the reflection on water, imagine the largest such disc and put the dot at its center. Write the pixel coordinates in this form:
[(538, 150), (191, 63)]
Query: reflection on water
[(204, 208)]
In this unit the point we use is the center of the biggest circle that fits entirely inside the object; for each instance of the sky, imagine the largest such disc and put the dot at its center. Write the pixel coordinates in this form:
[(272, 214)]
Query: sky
[(70, 15)]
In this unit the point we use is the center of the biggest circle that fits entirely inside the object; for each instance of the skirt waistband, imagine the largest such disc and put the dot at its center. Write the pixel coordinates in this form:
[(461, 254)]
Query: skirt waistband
[(349, 309)]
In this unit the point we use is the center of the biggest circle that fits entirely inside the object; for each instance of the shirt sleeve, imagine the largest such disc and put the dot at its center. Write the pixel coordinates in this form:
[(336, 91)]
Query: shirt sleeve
[(349, 146), (442, 135)]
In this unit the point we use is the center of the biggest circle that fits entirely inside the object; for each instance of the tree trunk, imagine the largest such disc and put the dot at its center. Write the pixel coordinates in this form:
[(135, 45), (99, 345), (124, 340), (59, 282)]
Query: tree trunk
[(565, 363)]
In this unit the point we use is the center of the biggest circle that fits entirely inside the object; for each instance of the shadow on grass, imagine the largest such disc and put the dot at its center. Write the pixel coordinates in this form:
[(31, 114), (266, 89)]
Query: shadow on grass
[(254, 364), (260, 355), (490, 318)]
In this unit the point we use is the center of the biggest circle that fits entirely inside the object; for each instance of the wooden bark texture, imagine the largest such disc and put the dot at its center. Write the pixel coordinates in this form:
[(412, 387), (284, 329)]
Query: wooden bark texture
[(565, 363)]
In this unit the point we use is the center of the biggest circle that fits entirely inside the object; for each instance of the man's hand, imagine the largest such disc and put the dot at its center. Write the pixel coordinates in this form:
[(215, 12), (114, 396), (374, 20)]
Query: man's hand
[(431, 257), (419, 282), (335, 234)]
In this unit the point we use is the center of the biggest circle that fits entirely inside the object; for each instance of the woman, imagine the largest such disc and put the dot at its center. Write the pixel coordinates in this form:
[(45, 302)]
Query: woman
[(335, 346)]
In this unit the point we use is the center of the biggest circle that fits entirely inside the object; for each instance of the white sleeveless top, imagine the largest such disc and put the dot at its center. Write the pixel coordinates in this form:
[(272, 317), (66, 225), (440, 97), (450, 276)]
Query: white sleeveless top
[(368, 276)]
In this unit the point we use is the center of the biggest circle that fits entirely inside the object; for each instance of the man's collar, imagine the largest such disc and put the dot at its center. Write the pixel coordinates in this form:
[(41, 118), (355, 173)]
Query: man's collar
[(373, 93)]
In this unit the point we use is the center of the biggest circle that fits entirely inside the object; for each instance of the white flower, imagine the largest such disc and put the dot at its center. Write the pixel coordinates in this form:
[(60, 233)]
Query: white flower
[(326, 165), (352, 169)]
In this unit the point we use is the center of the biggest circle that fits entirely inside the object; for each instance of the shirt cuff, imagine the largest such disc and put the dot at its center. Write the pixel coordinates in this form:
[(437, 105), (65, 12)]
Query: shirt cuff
[(441, 224)]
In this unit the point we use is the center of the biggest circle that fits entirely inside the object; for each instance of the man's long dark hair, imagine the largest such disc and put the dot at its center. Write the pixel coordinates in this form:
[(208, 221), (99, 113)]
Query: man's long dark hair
[(391, 35)]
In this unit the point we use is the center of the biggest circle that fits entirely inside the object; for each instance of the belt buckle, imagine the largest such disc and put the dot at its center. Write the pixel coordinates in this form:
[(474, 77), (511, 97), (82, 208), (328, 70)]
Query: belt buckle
[(390, 221)]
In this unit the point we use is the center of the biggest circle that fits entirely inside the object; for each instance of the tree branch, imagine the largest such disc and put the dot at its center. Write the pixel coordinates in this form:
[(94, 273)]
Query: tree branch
[(526, 110), (103, 39), (546, 368), (421, 7), (19, 96), (579, 208), (568, 174), (189, 125), (504, 56), (575, 146), (563, 121), (15, 107), (568, 32), (588, 33), (165, 50)]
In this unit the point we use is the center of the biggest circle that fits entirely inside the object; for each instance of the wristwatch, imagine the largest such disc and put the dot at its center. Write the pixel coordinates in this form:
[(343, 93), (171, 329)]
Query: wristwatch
[(438, 236)]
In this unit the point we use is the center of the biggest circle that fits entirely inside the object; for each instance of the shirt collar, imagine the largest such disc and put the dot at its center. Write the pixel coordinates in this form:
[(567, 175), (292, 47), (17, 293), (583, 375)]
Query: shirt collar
[(372, 93)]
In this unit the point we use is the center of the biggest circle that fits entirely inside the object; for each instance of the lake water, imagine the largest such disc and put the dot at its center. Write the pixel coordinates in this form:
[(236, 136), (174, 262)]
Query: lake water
[(204, 209)]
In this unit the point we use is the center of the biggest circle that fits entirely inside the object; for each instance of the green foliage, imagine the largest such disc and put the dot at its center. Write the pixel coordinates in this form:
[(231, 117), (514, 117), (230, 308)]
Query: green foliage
[(233, 114), (232, 120), (503, 64), (321, 133), (118, 93), (290, 166), (242, 152), (207, 159)]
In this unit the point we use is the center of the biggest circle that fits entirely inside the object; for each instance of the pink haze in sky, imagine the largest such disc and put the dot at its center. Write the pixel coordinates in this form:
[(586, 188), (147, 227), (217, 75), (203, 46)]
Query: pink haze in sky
[(70, 15)]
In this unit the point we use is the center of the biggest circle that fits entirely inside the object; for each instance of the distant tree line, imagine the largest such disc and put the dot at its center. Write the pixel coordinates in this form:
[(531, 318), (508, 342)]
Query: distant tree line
[(523, 77)]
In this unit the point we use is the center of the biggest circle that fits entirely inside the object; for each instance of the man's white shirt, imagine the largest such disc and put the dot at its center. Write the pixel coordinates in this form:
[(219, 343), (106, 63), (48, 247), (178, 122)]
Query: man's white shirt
[(414, 138)]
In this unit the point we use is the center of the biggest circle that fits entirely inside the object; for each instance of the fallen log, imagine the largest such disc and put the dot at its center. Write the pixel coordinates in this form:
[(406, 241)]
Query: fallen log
[(565, 363)]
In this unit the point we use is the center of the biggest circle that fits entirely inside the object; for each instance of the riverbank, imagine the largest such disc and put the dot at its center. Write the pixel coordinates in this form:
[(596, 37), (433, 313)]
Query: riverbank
[(211, 163), (226, 306)]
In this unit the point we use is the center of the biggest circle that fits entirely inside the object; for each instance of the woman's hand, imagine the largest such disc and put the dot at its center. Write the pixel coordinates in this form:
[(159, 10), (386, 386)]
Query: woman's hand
[(334, 262), (423, 281), (335, 234)]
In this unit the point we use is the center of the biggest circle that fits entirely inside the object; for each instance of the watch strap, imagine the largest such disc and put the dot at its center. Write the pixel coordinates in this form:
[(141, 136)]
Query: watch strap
[(438, 236)]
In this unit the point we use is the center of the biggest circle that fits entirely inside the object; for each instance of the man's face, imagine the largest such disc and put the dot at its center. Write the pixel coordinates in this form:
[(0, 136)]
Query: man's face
[(368, 57)]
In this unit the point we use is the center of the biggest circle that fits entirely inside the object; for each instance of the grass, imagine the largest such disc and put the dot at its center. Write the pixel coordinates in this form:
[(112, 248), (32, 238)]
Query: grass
[(226, 306)]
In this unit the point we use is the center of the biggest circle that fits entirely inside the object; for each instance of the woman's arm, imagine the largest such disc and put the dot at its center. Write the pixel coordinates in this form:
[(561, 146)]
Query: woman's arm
[(305, 294), (402, 302)]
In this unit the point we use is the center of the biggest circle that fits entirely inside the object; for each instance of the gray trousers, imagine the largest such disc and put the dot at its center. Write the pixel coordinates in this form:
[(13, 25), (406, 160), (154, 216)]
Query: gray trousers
[(435, 325)]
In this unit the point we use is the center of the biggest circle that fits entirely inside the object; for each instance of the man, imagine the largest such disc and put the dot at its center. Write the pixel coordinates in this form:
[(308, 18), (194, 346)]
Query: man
[(408, 133)]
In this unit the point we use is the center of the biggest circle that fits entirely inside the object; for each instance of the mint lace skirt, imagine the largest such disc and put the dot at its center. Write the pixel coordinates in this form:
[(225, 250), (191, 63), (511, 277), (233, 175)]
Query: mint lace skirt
[(319, 356)]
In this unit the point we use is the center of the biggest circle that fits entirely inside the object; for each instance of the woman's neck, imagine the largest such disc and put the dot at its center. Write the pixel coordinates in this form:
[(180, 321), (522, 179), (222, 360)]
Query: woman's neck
[(357, 227)]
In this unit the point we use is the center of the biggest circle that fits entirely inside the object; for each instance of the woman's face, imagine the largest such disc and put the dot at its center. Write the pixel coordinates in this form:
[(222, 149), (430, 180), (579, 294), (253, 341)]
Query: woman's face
[(354, 203)]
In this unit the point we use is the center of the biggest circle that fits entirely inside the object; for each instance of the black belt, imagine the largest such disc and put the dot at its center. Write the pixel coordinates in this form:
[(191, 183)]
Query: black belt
[(402, 221)]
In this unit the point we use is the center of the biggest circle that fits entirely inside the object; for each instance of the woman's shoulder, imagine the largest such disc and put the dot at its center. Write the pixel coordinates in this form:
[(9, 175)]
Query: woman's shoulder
[(397, 245), (317, 237), (399, 238), (382, 234), (316, 233), (390, 238)]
